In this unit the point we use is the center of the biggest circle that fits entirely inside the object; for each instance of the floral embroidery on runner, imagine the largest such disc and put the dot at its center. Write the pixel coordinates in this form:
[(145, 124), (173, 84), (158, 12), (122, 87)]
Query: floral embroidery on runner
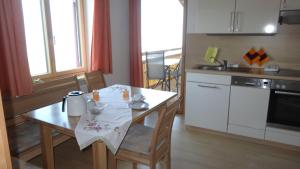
[(98, 126)]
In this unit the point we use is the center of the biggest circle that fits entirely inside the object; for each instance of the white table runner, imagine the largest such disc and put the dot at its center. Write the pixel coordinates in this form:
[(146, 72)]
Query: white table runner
[(110, 125)]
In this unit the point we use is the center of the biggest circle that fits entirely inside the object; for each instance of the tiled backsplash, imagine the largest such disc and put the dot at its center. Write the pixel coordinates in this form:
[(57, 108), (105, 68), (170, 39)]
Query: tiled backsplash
[(283, 47)]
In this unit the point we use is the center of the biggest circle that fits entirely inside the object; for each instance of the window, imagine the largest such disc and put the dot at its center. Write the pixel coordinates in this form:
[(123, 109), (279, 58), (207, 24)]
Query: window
[(53, 37)]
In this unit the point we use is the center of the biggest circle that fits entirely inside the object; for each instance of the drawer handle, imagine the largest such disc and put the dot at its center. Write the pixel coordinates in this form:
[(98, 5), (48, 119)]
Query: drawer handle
[(250, 84), (211, 87), (287, 93)]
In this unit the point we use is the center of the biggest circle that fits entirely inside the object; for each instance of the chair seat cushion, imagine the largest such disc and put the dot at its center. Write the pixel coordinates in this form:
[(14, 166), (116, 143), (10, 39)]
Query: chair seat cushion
[(138, 139), (24, 137)]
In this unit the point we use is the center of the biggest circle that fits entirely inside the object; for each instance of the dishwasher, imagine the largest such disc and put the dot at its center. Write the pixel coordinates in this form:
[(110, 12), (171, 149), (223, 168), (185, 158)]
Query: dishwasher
[(248, 109)]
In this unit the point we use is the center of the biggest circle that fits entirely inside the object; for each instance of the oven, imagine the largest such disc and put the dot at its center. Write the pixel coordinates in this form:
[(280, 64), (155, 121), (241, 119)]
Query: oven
[(284, 105)]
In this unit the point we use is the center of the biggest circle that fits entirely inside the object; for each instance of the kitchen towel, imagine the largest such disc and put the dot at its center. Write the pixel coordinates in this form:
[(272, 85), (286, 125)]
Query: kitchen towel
[(262, 57), (251, 56), (211, 54)]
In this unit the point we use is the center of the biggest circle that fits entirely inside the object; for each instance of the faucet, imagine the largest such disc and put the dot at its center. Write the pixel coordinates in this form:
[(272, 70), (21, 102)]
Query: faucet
[(223, 64)]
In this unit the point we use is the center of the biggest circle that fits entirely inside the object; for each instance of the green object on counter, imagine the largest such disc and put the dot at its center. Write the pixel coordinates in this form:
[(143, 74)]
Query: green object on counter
[(211, 54)]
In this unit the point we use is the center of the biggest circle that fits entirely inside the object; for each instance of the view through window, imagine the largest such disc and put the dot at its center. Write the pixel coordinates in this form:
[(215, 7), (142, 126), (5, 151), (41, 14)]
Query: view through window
[(162, 30), (162, 24), (35, 37), (52, 35)]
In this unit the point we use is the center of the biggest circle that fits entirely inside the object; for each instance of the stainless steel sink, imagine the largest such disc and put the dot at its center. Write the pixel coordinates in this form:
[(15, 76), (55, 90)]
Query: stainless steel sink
[(211, 67)]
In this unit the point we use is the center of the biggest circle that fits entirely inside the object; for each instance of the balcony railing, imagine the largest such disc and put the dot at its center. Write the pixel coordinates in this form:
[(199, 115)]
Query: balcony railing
[(169, 53)]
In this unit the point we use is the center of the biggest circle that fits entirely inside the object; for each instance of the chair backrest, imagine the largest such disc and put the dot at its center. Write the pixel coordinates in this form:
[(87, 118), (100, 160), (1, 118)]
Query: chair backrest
[(155, 62), (43, 94), (94, 80), (161, 139)]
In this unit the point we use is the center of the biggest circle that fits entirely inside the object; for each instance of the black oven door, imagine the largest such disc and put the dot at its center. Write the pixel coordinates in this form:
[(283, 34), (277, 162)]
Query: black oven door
[(284, 108)]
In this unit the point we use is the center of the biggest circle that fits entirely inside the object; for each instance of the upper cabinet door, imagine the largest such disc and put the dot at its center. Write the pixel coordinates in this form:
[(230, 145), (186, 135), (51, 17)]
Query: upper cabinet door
[(210, 16), (290, 4), (256, 16)]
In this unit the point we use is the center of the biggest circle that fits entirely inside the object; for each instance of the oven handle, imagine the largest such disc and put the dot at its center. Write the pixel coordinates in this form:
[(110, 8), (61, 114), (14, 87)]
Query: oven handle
[(287, 93)]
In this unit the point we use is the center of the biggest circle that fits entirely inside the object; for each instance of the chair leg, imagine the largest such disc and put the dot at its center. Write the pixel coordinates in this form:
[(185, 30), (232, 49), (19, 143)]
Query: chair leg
[(167, 160), (177, 84), (134, 165), (112, 161), (152, 166)]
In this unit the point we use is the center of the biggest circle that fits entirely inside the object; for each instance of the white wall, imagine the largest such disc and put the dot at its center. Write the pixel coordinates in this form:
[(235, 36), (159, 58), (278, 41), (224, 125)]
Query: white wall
[(119, 15)]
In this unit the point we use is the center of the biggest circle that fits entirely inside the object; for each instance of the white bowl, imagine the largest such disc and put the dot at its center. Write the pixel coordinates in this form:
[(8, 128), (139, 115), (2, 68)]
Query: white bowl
[(97, 108), (138, 98)]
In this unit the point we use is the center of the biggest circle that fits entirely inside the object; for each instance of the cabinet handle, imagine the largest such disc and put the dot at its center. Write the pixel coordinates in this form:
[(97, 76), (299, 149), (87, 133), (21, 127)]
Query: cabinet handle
[(237, 22), (211, 87), (250, 84), (284, 4), (231, 26)]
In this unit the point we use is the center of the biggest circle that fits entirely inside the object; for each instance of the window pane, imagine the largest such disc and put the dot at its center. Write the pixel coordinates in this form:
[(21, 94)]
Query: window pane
[(35, 40), (65, 34), (162, 24)]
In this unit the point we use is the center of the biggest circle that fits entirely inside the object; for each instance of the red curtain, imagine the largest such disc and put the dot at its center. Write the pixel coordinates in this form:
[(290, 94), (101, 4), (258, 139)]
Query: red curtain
[(15, 79), (101, 58), (136, 65)]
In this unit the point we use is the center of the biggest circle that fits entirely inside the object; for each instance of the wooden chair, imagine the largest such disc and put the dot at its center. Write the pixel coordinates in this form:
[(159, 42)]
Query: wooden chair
[(156, 69), (24, 136), (94, 80), (146, 145), (5, 160), (20, 164)]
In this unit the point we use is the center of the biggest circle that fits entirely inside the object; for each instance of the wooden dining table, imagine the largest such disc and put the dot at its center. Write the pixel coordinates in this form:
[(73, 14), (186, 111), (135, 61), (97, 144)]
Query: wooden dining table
[(52, 118)]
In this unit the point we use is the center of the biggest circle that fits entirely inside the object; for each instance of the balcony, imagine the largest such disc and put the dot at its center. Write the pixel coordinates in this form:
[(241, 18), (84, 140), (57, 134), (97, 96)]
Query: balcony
[(170, 54)]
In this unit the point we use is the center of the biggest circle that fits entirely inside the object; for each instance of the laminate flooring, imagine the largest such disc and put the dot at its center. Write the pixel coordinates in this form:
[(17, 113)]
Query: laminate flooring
[(192, 149)]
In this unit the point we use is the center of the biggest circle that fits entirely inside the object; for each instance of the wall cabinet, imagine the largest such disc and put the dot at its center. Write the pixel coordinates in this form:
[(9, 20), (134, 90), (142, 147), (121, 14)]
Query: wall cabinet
[(207, 103), (232, 16), (210, 16), (290, 5)]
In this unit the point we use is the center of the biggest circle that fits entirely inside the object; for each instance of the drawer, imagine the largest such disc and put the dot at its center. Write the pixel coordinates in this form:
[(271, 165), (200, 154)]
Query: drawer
[(208, 78)]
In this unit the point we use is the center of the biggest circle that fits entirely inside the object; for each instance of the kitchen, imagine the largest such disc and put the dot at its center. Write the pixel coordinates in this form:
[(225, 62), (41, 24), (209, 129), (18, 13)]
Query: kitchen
[(238, 98)]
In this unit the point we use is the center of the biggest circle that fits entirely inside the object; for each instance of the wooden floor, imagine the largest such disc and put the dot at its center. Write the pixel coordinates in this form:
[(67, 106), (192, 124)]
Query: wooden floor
[(192, 149)]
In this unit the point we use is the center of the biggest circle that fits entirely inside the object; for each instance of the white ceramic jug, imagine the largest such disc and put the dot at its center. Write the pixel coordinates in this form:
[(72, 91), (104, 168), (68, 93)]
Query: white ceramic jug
[(76, 104)]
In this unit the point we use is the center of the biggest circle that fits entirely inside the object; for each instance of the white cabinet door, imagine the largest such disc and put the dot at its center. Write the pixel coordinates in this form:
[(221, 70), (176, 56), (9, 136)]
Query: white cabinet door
[(249, 107), (256, 16), (210, 16), (290, 4), (206, 105), (248, 111)]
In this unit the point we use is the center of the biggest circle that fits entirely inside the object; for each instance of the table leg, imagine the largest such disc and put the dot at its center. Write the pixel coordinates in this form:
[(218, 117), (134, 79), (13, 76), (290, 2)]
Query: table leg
[(111, 161), (99, 155), (47, 147)]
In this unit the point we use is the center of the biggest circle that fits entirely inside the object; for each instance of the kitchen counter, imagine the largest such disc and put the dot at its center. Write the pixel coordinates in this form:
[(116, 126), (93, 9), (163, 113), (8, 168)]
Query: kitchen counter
[(283, 74)]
